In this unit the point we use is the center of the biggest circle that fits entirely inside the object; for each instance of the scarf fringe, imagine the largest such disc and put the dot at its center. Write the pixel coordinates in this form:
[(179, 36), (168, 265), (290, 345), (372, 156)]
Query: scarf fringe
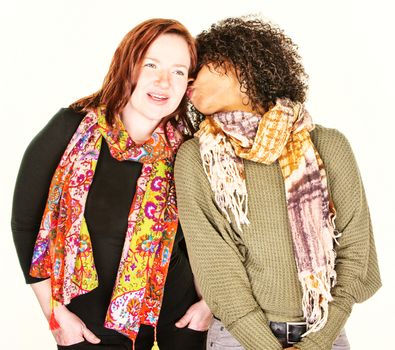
[(155, 346), (226, 138), (53, 323), (317, 285), (226, 180), (72, 270), (316, 297)]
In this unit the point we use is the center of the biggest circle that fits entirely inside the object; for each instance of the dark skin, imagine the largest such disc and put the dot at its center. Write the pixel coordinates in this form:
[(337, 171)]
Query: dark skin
[(266, 61), (215, 91), (246, 65)]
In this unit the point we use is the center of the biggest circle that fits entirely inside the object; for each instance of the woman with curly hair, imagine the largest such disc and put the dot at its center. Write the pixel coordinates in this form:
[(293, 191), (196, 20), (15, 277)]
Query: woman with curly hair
[(273, 208)]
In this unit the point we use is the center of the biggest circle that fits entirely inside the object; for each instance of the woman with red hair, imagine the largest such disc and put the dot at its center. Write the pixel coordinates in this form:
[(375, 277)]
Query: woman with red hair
[(95, 205)]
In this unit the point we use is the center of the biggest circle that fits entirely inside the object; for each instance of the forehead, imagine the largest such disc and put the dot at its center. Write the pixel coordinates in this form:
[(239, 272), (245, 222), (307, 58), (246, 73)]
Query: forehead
[(170, 47)]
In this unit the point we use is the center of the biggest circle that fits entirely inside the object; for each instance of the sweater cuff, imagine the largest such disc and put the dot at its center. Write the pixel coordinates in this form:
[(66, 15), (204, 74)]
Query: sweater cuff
[(253, 332), (323, 339)]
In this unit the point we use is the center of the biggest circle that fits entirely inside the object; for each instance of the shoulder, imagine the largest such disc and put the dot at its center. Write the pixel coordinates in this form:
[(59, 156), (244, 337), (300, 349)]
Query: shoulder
[(66, 118), (58, 131), (188, 164), (338, 158), (63, 124), (323, 135), (189, 150), (331, 144)]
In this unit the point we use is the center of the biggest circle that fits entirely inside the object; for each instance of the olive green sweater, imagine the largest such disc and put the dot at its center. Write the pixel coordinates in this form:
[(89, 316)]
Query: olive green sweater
[(250, 277)]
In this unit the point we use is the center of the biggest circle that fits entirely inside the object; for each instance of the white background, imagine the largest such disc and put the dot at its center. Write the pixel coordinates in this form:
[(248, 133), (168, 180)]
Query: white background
[(53, 52)]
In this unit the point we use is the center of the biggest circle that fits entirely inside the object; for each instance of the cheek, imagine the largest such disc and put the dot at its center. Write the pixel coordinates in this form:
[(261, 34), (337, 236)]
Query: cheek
[(211, 89), (180, 88), (207, 95), (203, 102), (146, 80), (134, 97)]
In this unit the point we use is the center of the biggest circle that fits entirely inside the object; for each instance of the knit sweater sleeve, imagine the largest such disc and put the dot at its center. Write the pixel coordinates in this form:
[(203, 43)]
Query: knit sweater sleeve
[(357, 270), (215, 259), (31, 189)]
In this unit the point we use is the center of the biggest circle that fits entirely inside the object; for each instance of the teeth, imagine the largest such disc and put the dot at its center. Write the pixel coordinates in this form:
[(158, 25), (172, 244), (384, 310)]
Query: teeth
[(159, 97)]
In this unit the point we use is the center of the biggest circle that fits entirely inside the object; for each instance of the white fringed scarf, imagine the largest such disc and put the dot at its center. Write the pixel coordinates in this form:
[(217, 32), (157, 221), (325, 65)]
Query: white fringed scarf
[(283, 134)]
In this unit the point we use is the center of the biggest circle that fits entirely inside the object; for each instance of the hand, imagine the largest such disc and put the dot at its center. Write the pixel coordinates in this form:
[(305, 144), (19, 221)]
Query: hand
[(198, 317), (72, 330)]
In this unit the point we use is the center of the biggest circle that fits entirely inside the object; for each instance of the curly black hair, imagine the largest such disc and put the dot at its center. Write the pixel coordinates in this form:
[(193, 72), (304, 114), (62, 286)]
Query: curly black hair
[(265, 60)]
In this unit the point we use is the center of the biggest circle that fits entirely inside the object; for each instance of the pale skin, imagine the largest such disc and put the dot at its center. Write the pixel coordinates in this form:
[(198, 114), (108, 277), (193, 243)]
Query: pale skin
[(73, 330), (160, 87), (198, 316)]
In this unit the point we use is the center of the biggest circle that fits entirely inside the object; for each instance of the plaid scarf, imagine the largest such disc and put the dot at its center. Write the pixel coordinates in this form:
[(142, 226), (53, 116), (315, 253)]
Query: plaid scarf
[(63, 249), (283, 134)]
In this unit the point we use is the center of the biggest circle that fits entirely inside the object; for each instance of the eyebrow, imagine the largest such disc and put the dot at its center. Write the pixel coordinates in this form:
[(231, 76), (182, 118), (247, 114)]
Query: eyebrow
[(175, 65)]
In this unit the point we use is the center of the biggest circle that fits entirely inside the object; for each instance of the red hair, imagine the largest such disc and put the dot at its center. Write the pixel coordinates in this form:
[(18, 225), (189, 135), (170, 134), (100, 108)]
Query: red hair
[(124, 70)]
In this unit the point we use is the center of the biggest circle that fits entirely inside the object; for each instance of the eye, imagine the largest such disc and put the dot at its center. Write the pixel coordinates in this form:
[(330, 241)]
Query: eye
[(150, 65), (179, 72)]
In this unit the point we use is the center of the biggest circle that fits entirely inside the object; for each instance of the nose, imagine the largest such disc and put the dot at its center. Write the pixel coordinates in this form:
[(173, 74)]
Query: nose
[(163, 79)]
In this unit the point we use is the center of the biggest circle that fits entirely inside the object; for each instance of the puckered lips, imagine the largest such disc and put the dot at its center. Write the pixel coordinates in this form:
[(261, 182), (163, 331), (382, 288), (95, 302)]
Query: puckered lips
[(190, 92), (158, 97)]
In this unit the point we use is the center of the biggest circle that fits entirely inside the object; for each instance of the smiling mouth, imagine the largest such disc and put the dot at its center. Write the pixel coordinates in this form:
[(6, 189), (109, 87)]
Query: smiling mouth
[(158, 97)]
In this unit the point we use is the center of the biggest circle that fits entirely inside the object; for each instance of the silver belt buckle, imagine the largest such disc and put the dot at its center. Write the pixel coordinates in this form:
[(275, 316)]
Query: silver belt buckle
[(294, 324)]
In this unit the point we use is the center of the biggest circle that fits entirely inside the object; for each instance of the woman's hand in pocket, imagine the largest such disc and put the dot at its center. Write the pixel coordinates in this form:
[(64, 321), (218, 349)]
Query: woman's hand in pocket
[(198, 317), (72, 330)]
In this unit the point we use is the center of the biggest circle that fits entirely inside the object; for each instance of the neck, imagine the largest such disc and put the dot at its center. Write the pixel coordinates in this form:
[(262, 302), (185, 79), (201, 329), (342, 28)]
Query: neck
[(138, 127), (239, 105)]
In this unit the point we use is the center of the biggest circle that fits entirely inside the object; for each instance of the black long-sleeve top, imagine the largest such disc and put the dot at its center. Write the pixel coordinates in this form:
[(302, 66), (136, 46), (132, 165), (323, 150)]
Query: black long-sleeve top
[(106, 213)]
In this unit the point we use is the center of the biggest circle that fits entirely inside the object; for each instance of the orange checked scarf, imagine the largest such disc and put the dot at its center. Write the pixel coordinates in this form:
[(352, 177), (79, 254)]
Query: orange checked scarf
[(283, 134), (63, 249)]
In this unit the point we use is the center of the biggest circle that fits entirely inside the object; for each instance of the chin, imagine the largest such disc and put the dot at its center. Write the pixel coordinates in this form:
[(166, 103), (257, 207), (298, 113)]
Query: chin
[(159, 116), (204, 108)]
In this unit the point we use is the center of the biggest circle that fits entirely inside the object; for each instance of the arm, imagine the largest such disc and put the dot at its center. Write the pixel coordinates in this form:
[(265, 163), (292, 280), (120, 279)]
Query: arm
[(34, 177), (358, 276), (72, 330), (42, 290), (31, 190), (216, 262)]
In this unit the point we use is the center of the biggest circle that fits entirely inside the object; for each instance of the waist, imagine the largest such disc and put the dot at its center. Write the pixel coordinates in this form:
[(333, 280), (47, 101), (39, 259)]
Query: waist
[(289, 317), (288, 333)]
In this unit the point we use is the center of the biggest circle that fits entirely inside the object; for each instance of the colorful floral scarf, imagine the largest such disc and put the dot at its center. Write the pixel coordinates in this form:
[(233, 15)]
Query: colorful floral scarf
[(283, 134), (63, 249)]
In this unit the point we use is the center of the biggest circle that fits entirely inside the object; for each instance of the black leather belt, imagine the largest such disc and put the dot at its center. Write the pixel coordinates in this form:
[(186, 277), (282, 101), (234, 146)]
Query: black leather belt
[(288, 333)]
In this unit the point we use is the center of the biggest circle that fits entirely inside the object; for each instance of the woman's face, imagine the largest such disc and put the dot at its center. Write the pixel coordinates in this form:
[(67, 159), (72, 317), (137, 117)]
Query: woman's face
[(215, 91), (163, 78)]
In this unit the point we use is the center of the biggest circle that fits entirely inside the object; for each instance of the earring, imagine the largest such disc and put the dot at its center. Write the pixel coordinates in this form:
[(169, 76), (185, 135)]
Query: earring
[(245, 100)]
